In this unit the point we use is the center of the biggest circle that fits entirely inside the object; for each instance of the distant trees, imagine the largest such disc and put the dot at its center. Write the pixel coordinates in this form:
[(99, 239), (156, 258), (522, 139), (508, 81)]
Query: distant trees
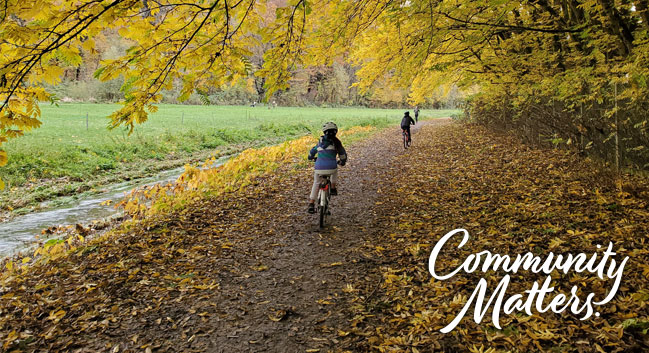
[(559, 72), (173, 49), (568, 71), (322, 85)]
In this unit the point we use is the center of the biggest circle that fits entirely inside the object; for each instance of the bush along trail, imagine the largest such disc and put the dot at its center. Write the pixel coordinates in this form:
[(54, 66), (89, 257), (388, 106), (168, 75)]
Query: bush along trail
[(229, 260)]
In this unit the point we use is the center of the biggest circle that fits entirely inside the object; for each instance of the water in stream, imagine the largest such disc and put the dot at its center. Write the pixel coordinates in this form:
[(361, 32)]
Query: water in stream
[(20, 232)]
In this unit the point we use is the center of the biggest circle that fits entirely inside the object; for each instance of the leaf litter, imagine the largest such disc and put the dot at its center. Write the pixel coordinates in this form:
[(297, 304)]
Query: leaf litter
[(512, 199), (248, 270)]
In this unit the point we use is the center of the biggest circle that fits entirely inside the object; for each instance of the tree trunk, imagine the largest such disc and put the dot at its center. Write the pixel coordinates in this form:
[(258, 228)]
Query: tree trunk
[(618, 27)]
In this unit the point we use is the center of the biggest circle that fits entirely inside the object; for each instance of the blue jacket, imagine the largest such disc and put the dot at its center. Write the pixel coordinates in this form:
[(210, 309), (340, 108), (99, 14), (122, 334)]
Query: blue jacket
[(326, 150)]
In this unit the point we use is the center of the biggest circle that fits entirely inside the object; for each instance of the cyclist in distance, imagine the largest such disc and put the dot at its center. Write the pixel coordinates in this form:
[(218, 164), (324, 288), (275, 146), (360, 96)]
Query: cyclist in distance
[(325, 152), (405, 124), (416, 114)]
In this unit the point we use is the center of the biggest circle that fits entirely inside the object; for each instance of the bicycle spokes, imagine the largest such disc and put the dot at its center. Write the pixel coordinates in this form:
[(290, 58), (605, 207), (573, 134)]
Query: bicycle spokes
[(324, 193)]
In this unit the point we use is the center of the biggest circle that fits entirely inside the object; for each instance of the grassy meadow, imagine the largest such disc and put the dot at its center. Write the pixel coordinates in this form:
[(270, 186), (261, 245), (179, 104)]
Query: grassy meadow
[(64, 150)]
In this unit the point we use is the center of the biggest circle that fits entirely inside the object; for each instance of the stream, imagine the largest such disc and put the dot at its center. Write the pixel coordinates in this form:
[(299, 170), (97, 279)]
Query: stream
[(20, 232)]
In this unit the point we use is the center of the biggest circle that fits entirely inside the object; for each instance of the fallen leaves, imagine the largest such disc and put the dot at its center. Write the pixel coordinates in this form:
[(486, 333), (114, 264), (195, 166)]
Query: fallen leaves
[(150, 282), (56, 315), (156, 275), (512, 199), (278, 315)]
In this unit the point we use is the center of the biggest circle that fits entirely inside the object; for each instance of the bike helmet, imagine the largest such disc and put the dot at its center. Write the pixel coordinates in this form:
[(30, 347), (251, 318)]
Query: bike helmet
[(330, 126)]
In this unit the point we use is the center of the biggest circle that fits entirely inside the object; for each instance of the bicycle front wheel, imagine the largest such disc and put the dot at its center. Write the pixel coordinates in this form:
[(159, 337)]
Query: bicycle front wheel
[(323, 207), (323, 216)]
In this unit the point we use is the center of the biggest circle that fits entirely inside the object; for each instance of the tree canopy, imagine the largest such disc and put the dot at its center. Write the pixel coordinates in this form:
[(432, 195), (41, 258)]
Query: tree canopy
[(568, 50)]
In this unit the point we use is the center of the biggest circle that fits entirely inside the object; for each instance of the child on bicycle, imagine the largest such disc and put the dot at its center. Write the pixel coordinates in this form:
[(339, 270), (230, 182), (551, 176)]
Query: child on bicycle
[(405, 124), (325, 155)]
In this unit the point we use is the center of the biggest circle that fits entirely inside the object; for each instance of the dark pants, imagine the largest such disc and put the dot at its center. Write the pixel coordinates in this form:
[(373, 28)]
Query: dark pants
[(408, 130)]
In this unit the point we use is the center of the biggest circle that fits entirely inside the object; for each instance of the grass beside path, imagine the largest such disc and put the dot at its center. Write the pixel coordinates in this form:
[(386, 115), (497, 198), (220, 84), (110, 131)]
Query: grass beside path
[(244, 270), (65, 156), (155, 282)]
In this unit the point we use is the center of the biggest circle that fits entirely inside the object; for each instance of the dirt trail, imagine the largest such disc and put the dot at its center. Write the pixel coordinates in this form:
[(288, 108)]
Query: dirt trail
[(253, 273), (308, 269), (250, 271)]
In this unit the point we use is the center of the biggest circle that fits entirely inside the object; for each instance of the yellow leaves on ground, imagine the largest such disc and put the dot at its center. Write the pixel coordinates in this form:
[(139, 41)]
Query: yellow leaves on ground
[(236, 173), (512, 199), (195, 185), (148, 265), (10, 338), (56, 315), (233, 175), (157, 274), (278, 315), (239, 171)]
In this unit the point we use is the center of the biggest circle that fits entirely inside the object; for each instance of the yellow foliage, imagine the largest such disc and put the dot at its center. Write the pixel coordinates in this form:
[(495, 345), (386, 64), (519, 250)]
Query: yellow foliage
[(233, 175), (193, 184)]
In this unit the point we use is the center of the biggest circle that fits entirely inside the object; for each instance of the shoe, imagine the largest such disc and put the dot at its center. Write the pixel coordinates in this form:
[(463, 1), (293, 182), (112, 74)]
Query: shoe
[(311, 208), (334, 192)]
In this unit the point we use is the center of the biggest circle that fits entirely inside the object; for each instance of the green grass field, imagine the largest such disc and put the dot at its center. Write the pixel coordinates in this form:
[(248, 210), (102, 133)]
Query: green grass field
[(63, 148)]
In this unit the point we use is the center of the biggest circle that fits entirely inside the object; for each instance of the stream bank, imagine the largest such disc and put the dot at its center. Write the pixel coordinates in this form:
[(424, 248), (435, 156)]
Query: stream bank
[(20, 232)]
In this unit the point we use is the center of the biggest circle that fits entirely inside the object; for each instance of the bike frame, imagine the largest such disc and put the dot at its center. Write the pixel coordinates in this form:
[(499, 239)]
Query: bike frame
[(324, 194), (406, 138)]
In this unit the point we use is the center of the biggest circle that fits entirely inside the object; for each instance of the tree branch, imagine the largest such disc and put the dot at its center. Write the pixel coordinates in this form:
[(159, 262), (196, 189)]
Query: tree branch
[(517, 28)]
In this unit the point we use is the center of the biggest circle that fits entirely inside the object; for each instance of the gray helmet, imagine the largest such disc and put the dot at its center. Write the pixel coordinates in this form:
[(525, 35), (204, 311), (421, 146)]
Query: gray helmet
[(330, 126)]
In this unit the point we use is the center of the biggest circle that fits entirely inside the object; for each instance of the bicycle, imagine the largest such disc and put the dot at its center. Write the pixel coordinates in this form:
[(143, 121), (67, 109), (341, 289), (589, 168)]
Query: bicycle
[(324, 195), (406, 139)]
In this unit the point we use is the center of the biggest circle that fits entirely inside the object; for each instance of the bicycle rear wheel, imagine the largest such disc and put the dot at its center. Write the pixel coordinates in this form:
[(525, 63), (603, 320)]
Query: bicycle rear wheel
[(323, 207), (405, 140), (323, 200), (323, 216)]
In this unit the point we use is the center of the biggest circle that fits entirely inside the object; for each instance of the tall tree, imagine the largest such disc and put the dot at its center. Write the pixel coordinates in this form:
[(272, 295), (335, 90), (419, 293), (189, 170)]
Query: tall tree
[(567, 49)]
